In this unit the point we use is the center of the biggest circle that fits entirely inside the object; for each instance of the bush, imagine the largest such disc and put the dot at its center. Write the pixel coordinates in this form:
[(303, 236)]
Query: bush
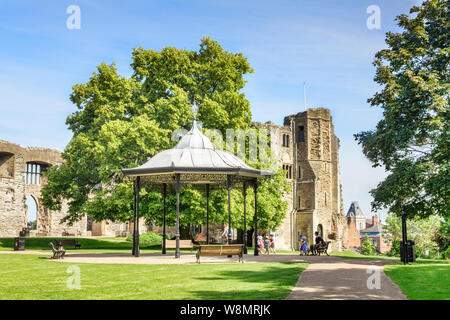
[(148, 239), (367, 247), (447, 253), (395, 249)]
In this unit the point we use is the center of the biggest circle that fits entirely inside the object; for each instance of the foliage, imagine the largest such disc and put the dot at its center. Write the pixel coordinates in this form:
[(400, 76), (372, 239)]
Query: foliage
[(32, 225), (447, 253), (412, 140), (367, 247), (422, 231), (442, 237), (121, 122), (148, 239)]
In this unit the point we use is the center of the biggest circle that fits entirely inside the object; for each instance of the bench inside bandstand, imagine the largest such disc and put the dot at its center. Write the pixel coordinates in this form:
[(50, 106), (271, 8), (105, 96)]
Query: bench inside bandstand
[(221, 250), (184, 244)]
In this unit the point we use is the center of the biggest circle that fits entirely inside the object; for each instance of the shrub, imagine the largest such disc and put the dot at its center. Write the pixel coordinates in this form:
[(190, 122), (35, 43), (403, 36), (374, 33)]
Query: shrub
[(395, 249), (148, 239), (367, 247)]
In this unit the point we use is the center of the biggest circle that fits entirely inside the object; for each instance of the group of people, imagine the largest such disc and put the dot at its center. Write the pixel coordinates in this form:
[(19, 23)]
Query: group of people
[(319, 242), (267, 245)]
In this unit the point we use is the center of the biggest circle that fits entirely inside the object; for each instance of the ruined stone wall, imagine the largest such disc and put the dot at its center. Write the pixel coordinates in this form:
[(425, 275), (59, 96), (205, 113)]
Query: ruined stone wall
[(15, 189), (12, 190)]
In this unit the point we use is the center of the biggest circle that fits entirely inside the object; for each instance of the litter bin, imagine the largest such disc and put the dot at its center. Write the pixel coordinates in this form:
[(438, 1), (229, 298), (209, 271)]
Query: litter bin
[(19, 244), (411, 251)]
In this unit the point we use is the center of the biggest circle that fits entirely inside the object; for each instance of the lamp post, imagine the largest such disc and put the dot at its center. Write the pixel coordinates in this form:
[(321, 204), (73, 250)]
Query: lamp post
[(404, 239)]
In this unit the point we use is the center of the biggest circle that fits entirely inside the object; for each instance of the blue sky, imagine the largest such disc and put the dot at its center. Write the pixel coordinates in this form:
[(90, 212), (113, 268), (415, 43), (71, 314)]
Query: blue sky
[(325, 43)]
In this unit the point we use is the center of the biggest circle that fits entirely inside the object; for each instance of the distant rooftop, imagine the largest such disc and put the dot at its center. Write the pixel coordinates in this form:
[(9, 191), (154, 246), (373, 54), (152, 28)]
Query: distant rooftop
[(355, 210)]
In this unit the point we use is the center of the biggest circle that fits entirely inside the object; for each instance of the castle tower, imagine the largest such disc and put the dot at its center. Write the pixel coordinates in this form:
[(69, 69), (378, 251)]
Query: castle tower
[(318, 194), (308, 149)]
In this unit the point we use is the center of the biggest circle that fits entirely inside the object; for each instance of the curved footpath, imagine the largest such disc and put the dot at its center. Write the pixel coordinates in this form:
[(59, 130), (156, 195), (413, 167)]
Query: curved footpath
[(326, 278)]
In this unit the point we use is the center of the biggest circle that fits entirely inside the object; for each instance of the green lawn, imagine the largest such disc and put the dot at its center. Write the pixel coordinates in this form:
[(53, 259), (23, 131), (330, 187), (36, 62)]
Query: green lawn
[(355, 255), (422, 280), (34, 277), (42, 243)]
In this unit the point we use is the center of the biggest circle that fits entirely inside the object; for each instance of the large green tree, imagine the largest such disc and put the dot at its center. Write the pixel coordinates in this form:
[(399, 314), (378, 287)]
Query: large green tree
[(121, 122), (424, 231), (412, 140)]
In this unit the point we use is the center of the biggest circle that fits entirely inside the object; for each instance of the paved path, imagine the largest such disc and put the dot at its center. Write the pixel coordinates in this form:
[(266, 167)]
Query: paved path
[(325, 278), (333, 278)]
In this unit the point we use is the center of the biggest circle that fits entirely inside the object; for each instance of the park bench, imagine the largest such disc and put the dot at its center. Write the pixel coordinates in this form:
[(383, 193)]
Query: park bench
[(57, 253), (221, 250), (323, 249), (184, 244), (68, 242)]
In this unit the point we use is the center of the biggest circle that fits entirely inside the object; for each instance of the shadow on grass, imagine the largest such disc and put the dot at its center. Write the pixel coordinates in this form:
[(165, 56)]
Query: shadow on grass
[(275, 283), (86, 243)]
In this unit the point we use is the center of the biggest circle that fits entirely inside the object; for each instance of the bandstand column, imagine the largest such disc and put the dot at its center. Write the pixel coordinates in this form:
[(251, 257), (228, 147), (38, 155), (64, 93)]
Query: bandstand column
[(177, 188), (207, 214), (164, 219), (134, 218), (138, 189), (245, 217), (255, 188), (229, 186)]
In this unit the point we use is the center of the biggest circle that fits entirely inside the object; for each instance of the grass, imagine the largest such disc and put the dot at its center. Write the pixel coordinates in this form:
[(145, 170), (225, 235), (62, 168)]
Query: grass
[(349, 254), (34, 277), (7, 244), (422, 280)]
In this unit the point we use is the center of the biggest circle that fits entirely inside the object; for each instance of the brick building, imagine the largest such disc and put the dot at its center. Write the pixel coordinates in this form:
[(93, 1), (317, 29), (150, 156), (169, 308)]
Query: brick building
[(359, 227)]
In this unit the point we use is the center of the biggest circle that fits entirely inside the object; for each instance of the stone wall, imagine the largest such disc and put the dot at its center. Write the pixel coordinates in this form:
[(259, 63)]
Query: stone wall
[(15, 189)]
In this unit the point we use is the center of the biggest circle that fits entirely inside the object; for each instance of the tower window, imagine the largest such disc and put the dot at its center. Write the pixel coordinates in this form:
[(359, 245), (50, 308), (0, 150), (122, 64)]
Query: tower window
[(34, 172), (301, 134)]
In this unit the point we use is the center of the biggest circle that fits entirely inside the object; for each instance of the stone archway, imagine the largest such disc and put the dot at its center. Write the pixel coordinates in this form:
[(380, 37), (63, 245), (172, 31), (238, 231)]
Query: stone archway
[(320, 230), (32, 213)]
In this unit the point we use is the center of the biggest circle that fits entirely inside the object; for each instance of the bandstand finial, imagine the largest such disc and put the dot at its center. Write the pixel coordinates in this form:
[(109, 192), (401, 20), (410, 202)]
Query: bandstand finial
[(194, 110)]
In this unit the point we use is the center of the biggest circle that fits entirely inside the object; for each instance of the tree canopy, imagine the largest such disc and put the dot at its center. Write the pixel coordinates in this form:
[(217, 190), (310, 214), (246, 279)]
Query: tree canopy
[(121, 122), (412, 139)]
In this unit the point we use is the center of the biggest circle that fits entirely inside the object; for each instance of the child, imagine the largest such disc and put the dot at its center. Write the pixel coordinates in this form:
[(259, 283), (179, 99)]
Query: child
[(267, 245), (272, 243), (304, 247), (260, 243)]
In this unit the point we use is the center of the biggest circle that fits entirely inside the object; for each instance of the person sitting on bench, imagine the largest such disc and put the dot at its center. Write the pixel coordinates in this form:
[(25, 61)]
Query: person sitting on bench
[(318, 243)]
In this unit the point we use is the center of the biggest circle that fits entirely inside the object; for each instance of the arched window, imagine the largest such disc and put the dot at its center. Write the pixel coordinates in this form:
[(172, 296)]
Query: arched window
[(320, 230), (6, 164), (301, 134), (32, 210)]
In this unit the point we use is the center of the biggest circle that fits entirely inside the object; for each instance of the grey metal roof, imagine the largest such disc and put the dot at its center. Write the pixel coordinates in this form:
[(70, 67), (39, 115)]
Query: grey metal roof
[(195, 154)]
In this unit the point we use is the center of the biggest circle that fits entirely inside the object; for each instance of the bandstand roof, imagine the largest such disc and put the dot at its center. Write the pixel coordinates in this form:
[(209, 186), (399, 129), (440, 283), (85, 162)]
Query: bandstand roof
[(196, 160)]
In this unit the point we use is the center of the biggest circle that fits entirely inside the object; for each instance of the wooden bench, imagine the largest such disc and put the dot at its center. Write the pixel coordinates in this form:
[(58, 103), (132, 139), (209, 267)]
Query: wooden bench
[(323, 249), (68, 242), (57, 253), (184, 244), (221, 250)]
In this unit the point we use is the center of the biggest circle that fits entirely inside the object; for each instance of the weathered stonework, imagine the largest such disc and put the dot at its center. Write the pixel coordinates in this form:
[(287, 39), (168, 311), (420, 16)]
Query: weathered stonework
[(315, 201), (15, 189)]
